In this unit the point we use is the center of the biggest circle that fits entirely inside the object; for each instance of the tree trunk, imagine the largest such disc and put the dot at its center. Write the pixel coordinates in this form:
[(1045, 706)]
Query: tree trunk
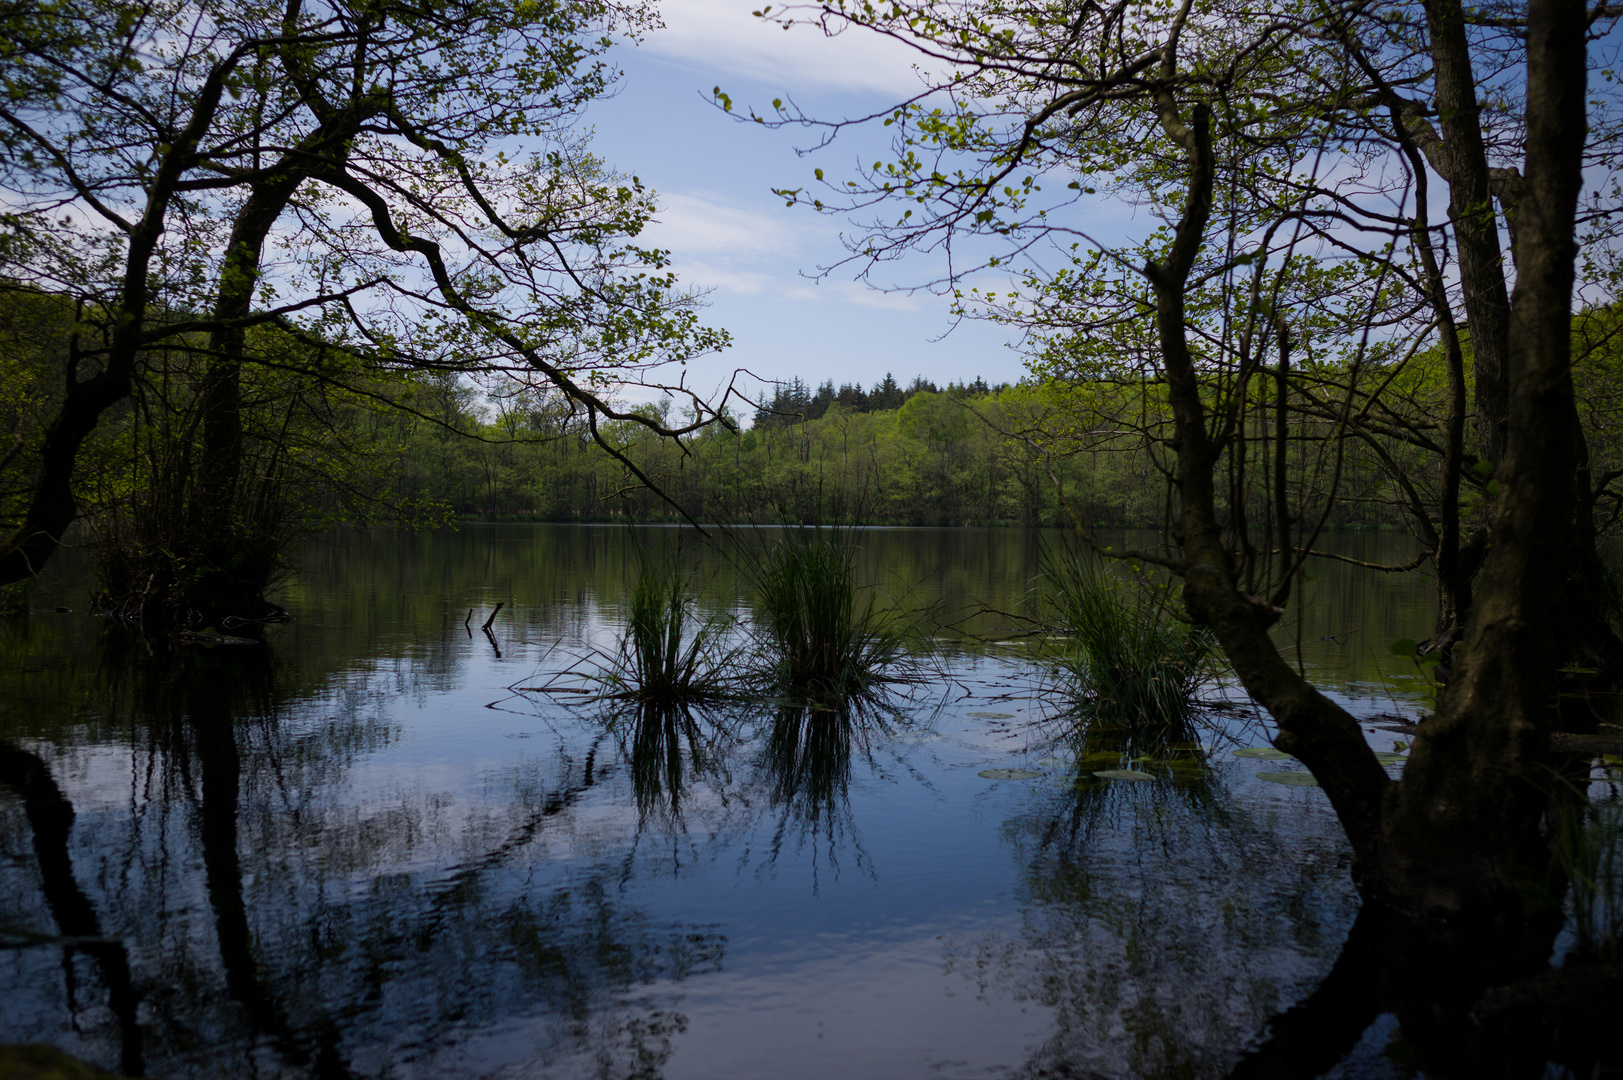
[(1461, 833), (215, 497), (1461, 159), (1458, 838)]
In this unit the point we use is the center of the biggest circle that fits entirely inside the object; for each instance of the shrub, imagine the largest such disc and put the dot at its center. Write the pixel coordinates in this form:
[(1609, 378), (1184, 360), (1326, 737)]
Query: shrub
[(667, 651)]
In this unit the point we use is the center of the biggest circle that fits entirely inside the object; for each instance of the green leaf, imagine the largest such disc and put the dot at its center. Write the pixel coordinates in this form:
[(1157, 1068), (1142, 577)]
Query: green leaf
[(1483, 469), (1008, 774), (1404, 647), (1293, 779)]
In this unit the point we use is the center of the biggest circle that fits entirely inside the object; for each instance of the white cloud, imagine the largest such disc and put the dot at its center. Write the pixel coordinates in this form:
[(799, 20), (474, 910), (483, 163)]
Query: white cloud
[(721, 36), (703, 276), (732, 248), (705, 224), (855, 292)]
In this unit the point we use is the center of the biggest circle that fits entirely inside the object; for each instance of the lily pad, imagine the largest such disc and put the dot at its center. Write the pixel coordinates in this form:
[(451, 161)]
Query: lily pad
[(1390, 759), (1123, 774), (992, 715), (1294, 779), (1267, 753), (1008, 774)]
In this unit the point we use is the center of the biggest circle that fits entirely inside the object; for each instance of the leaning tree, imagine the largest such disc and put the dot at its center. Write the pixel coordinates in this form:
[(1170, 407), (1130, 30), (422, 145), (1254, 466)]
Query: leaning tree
[(399, 185), (1287, 156)]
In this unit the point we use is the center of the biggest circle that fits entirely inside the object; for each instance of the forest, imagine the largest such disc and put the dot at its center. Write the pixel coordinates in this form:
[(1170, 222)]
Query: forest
[(333, 440)]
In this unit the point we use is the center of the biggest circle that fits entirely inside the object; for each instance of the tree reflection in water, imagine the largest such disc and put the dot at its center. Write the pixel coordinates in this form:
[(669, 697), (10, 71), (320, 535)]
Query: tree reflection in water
[(1162, 921), (326, 858), (50, 818), (278, 925)]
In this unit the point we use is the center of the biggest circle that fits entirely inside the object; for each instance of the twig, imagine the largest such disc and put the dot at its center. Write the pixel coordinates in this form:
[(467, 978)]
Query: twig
[(499, 606)]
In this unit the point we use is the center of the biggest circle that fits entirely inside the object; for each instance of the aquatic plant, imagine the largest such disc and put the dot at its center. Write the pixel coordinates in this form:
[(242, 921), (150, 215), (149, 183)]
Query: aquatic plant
[(668, 652), (1123, 656), (1586, 849), (819, 635)]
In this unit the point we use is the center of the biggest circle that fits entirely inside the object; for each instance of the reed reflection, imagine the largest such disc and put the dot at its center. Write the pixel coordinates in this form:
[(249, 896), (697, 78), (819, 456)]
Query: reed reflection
[(1117, 763), (1162, 917), (807, 757), (670, 747)]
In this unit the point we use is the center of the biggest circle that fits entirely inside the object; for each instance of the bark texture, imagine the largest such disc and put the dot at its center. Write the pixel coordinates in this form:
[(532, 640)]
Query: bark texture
[(1461, 833)]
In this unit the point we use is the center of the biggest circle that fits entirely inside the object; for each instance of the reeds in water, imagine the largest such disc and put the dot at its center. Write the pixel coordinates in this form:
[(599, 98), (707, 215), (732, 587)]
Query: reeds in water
[(1588, 847), (1124, 657), (820, 636), (668, 651)]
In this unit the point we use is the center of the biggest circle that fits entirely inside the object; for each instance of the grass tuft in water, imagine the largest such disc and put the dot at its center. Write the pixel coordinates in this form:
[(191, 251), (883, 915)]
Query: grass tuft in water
[(820, 637), (1124, 658), (668, 652)]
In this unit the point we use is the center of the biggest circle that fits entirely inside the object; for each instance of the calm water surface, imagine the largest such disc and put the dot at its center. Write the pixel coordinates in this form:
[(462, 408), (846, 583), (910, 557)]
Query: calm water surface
[(364, 849)]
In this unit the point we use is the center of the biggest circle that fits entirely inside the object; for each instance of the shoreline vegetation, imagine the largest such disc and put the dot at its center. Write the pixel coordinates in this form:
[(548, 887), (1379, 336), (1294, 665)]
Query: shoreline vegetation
[(1046, 452)]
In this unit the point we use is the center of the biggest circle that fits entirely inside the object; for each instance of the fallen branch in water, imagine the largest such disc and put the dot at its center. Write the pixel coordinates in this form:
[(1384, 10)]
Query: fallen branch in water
[(499, 605), (1586, 744)]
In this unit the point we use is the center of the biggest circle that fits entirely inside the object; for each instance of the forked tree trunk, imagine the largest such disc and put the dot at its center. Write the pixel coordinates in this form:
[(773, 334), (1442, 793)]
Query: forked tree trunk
[(215, 497), (1461, 832), (1458, 837)]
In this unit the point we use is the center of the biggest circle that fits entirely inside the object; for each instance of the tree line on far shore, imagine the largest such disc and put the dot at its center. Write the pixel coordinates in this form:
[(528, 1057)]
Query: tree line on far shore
[(1053, 451)]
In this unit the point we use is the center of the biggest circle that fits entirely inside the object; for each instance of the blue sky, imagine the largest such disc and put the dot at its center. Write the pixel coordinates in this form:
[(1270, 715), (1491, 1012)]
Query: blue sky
[(730, 235)]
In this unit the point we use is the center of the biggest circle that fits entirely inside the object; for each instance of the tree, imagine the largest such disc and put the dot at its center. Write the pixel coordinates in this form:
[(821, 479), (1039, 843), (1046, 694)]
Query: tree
[(886, 394), (413, 170), (1222, 124)]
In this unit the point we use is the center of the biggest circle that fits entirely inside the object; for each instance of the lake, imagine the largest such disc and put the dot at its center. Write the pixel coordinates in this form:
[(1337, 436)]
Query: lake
[(369, 847)]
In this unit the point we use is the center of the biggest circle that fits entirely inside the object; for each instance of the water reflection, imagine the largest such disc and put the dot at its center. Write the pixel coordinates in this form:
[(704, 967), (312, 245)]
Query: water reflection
[(1163, 921), (50, 818), (353, 851), (670, 747), (807, 756), (1171, 754), (282, 925), (1411, 998)]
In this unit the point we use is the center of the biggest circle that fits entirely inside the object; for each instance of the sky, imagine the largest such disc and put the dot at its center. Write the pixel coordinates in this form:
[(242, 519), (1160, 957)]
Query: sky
[(728, 233)]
